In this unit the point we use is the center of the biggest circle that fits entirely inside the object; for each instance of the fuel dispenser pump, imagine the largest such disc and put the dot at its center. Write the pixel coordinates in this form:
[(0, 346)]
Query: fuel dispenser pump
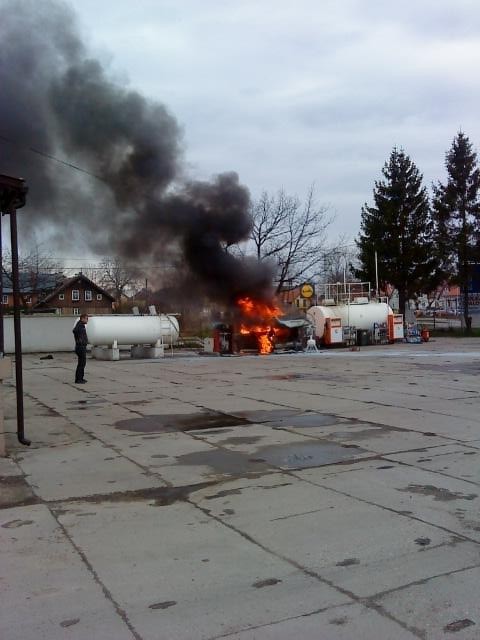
[(333, 333)]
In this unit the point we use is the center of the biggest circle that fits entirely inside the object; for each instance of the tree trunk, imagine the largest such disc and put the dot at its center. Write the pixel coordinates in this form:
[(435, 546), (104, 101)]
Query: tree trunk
[(402, 301)]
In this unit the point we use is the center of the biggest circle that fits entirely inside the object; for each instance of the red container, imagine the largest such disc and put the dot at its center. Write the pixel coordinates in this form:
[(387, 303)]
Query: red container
[(425, 335)]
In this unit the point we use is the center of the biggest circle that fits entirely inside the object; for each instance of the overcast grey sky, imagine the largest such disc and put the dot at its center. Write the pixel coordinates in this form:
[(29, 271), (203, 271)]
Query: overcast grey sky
[(293, 93)]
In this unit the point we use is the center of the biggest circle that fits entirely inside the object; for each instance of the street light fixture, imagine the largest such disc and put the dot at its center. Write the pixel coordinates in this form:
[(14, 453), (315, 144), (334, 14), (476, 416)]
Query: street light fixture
[(13, 192)]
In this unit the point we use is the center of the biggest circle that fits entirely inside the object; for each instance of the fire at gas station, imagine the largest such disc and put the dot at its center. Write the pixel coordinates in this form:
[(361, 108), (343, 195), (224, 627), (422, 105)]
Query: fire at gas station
[(344, 316)]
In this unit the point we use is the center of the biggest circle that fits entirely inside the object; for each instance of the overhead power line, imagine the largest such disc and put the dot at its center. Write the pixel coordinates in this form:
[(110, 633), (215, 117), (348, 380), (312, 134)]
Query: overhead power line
[(49, 156), (65, 163)]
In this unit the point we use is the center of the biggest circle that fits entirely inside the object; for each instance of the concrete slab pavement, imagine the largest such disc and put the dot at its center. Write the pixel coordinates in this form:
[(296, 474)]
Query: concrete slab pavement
[(191, 577), (331, 495), (445, 606), (82, 469), (341, 623), (377, 550), (47, 587)]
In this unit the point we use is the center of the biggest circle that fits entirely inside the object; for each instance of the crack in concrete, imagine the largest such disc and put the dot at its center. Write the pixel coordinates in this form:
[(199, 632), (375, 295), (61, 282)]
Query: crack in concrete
[(310, 573), (106, 592)]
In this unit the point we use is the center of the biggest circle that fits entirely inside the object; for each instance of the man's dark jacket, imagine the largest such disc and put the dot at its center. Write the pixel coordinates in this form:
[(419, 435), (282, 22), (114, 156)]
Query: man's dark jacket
[(80, 333)]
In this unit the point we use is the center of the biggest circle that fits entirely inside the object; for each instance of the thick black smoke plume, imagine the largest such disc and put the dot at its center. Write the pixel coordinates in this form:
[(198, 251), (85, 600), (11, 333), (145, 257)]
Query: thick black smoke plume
[(57, 101)]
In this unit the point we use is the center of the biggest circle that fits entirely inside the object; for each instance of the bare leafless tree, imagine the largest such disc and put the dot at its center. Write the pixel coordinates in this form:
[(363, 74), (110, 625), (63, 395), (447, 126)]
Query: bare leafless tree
[(291, 233), (92, 271), (38, 270), (338, 262), (117, 277)]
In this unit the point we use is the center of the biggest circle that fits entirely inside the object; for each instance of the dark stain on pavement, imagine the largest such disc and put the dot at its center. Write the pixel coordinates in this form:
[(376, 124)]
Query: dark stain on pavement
[(364, 434), (162, 496), (163, 605), (14, 524), (240, 440), (422, 542), (69, 623), (311, 454), (222, 461), (269, 582), (179, 422), (458, 625), (306, 420), (438, 493), (222, 494), (275, 486), (285, 456), (214, 432), (16, 492), (348, 562)]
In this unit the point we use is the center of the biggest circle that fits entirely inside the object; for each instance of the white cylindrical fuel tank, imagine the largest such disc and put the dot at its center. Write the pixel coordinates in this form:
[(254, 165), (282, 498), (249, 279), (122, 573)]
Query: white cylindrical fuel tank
[(170, 328), (361, 316), (126, 330), (317, 316)]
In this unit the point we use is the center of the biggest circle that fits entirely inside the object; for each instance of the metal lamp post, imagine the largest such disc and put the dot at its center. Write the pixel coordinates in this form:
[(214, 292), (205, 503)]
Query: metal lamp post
[(13, 193)]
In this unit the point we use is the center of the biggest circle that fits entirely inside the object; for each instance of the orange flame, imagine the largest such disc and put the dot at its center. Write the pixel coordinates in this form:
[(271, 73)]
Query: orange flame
[(259, 310), (265, 345), (258, 321)]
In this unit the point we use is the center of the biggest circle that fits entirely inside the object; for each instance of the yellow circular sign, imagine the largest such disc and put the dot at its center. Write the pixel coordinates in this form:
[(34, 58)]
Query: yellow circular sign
[(307, 290)]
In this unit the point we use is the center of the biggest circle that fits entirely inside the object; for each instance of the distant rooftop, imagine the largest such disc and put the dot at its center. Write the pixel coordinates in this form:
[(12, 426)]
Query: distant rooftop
[(33, 282)]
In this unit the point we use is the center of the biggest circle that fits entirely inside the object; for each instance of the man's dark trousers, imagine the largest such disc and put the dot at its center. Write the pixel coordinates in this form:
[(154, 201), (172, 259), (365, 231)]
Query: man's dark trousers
[(82, 361)]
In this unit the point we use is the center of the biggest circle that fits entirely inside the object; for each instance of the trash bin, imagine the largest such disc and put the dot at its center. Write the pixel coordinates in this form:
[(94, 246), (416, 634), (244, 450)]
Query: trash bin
[(363, 337)]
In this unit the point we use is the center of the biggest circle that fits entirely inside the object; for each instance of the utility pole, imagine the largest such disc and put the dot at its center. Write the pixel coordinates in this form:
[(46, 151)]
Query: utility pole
[(13, 193)]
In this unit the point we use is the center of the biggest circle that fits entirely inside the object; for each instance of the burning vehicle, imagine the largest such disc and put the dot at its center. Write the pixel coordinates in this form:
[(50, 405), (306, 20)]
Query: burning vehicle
[(259, 327), (258, 320)]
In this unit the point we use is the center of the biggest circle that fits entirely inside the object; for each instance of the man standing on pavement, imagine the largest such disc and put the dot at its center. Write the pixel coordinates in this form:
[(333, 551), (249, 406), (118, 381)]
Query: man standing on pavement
[(81, 341)]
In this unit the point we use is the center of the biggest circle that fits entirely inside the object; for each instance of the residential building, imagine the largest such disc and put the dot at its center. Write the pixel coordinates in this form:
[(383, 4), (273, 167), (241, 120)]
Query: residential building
[(33, 288), (77, 295)]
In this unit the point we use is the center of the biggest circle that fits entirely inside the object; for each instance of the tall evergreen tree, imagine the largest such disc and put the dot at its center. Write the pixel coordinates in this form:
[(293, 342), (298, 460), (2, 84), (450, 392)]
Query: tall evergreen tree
[(399, 229), (456, 211)]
